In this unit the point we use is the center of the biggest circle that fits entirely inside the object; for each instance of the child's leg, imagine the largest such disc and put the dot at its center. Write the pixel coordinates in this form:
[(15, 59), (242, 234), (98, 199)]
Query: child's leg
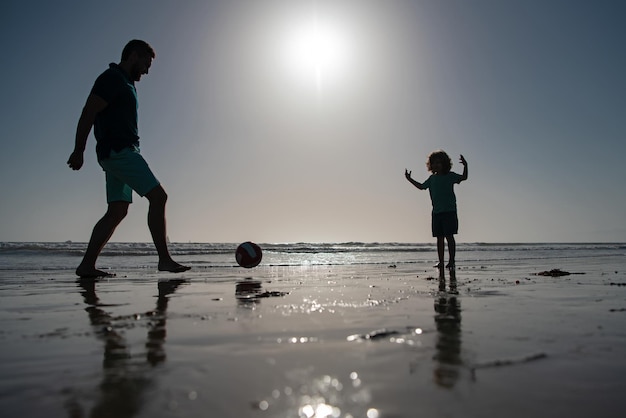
[(440, 251), (451, 250)]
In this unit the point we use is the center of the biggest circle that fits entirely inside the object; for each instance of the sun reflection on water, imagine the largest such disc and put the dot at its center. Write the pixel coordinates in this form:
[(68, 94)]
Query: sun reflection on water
[(322, 397)]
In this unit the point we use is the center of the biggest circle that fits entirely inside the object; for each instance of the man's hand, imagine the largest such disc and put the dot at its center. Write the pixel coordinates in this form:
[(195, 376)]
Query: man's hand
[(463, 160), (407, 174), (76, 160), (93, 106)]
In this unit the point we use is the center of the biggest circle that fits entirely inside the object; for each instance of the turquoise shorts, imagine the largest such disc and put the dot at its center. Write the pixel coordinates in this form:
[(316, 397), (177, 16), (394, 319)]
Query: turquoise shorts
[(127, 171)]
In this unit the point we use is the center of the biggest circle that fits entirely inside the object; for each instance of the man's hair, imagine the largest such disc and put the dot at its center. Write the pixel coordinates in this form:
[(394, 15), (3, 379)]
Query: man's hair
[(136, 45), (446, 162)]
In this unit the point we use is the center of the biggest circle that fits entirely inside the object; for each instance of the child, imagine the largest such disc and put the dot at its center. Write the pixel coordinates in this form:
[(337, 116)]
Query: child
[(440, 184)]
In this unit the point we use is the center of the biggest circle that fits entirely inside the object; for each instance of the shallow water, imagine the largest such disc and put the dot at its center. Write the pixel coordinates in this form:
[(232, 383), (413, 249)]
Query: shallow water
[(311, 341)]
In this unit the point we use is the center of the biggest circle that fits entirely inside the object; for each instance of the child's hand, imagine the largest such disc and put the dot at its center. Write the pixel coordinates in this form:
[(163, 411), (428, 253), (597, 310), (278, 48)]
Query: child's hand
[(407, 174), (463, 160)]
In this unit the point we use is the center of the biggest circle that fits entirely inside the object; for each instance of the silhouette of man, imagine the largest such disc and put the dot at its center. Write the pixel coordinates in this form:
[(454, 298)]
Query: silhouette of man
[(111, 109)]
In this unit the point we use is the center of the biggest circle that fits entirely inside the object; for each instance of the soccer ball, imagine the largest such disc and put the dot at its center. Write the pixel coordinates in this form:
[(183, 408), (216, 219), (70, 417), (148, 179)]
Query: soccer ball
[(248, 254)]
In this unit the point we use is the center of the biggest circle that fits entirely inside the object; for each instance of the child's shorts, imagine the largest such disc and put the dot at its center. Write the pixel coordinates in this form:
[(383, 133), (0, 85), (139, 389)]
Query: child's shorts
[(445, 224), (126, 171)]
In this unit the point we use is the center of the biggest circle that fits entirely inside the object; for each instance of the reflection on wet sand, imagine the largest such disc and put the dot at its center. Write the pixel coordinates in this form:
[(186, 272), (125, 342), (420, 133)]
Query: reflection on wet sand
[(125, 376), (448, 322), (249, 292)]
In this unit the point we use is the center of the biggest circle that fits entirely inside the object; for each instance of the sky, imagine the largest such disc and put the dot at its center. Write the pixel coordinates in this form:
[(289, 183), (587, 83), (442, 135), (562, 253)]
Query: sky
[(282, 121)]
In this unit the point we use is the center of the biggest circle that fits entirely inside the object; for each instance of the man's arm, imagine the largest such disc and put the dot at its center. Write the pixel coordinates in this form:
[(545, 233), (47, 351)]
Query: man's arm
[(464, 175), (93, 106), (417, 184)]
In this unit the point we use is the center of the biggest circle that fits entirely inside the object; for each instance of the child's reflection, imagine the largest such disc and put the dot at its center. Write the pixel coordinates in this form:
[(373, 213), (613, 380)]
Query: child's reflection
[(448, 323), (125, 377)]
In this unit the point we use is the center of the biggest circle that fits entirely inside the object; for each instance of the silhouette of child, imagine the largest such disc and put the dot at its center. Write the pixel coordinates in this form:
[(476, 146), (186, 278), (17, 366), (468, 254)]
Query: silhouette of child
[(440, 184)]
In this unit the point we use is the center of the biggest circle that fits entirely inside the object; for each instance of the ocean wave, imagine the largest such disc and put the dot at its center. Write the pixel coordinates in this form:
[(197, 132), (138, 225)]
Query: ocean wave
[(139, 255), (142, 248)]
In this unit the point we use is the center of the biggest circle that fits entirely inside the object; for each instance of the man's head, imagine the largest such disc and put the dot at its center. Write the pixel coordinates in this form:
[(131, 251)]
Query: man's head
[(137, 57)]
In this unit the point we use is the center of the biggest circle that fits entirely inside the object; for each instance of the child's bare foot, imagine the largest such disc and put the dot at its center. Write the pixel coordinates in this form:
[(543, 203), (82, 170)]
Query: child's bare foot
[(172, 266), (92, 273)]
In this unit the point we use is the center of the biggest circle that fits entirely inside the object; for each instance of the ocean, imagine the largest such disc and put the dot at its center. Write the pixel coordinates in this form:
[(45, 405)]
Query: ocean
[(142, 256)]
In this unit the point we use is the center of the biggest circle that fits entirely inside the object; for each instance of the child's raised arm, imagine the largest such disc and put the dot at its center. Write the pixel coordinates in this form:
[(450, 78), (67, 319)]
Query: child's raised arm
[(464, 175), (417, 184)]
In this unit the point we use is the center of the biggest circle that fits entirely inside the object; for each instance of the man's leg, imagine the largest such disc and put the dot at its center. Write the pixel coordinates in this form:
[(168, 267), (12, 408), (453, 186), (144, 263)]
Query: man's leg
[(100, 235), (156, 222)]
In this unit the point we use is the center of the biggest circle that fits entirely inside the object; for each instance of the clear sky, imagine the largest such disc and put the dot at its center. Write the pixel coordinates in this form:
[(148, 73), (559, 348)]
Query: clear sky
[(287, 121)]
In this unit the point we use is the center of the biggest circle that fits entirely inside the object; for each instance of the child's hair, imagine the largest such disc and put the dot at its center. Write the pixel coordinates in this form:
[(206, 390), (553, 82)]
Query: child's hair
[(446, 163)]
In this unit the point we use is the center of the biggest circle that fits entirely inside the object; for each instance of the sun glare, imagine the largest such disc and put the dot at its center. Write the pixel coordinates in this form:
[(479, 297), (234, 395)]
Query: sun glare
[(316, 50)]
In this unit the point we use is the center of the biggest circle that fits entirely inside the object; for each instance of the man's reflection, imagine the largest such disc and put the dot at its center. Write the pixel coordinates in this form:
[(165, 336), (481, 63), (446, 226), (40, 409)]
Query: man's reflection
[(448, 323), (125, 377)]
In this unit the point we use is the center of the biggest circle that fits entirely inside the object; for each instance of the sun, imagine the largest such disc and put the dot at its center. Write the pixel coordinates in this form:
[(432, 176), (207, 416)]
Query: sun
[(316, 50)]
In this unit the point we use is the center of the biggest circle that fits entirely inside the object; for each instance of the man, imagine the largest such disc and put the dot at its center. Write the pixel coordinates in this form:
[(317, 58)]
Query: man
[(111, 109)]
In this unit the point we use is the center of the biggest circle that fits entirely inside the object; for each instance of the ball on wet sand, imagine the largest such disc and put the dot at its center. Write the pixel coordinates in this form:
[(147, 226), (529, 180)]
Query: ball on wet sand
[(248, 254)]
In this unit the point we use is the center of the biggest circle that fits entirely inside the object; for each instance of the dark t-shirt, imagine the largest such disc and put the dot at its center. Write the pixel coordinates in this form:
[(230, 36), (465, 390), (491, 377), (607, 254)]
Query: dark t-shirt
[(441, 188), (115, 127)]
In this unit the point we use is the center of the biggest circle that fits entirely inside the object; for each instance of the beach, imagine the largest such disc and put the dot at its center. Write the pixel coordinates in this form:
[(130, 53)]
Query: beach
[(330, 336)]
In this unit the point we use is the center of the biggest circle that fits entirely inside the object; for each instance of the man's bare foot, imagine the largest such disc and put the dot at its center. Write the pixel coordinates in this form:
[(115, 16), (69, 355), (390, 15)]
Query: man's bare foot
[(172, 266), (92, 273)]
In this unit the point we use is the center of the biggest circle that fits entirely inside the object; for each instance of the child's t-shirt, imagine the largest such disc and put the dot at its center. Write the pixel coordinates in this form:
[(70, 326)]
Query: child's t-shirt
[(441, 189)]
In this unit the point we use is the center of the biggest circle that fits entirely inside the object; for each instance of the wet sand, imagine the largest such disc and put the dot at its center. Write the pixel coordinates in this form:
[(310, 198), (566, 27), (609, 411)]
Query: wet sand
[(362, 341)]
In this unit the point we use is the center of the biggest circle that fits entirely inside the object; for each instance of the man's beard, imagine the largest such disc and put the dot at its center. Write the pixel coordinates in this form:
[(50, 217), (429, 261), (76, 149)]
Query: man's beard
[(135, 74)]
